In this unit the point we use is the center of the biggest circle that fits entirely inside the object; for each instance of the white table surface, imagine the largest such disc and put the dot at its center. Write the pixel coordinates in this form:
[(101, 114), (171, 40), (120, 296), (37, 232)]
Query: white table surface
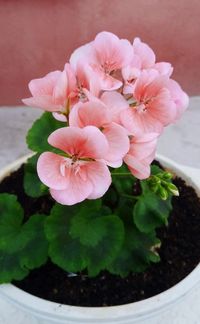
[(181, 142)]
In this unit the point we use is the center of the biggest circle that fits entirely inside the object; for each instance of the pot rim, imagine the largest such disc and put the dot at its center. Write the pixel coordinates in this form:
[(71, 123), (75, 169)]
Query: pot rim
[(113, 314)]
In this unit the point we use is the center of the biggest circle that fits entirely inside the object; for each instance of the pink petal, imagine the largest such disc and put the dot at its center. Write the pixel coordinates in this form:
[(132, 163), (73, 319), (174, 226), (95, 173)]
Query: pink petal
[(138, 123), (145, 53), (45, 85), (88, 142), (130, 72), (74, 115), (89, 113), (141, 154), (59, 116), (82, 55), (108, 83), (164, 68), (179, 97), (79, 189), (72, 84), (139, 169), (163, 108), (99, 175), (149, 84), (60, 89), (143, 146), (109, 48), (91, 80), (113, 164), (106, 45), (118, 142), (127, 52), (49, 170), (115, 103), (43, 102)]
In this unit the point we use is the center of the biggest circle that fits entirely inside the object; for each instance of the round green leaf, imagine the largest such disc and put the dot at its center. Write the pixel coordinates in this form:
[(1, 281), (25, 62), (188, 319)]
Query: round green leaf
[(38, 134), (151, 212)]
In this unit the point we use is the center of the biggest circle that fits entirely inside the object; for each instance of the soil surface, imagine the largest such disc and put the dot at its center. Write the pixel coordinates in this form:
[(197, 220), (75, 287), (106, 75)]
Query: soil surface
[(179, 252)]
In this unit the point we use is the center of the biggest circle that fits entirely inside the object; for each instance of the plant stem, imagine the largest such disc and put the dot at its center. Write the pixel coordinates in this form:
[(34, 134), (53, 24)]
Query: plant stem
[(130, 197), (124, 174)]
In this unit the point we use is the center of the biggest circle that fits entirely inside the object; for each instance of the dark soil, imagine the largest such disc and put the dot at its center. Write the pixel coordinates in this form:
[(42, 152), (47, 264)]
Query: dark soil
[(180, 253)]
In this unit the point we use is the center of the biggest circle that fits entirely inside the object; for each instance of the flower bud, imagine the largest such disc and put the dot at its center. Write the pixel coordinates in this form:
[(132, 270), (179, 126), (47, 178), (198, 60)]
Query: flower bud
[(162, 192), (173, 189), (167, 176)]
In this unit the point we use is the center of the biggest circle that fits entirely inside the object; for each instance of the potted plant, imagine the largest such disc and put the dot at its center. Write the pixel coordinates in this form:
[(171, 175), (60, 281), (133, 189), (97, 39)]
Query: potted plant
[(93, 204)]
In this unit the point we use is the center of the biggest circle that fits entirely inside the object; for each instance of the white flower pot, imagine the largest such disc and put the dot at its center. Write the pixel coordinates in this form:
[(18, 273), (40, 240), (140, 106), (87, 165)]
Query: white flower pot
[(177, 305)]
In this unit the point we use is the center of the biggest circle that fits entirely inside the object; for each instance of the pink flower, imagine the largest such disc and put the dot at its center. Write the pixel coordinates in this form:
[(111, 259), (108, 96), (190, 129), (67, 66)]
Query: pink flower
[(80, 172), (143, 58), (87, 81), (116, 103), (179, 97), (141, 154), (153, 104), (144, 53), (106, 55), (96, 113), (53, 92)]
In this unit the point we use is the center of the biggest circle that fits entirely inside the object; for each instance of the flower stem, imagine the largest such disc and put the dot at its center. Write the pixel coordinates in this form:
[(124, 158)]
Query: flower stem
[(130, 197), (123, 174)]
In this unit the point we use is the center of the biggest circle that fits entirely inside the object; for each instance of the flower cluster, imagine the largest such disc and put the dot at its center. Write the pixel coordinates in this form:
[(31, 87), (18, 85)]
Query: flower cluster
[(116, 100)]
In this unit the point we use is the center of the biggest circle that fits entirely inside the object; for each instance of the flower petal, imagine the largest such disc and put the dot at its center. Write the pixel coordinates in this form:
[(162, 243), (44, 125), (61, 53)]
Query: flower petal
[(109, 48), (87, 142), (59, 116), (144, 52), (138, 123), (115, 103), (60, 89), (45, 85), (79, 189), (93, 113), (100, 177), (49, 170), (164, 68), (118, 142), (139, 169), (43, 102), (179, 97)]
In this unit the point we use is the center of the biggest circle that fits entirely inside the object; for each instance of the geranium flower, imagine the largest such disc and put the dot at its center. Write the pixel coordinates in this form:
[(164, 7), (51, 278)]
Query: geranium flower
[(106, 55), (143, 58), (53, 91), (153, 104), (80, 172), (96, 113)]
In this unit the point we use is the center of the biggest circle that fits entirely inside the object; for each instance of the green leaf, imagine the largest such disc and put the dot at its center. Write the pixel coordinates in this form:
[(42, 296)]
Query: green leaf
[(83, 236), (155, 169), (151, 212), (10, 268), (108, 247), (32, 185), (38, 134), (64, 251), (89, 225), (11, 217), (136, 253), (22, 246), (35, 253), (125, 209), (101, 233), (111, 197), (123, 180)]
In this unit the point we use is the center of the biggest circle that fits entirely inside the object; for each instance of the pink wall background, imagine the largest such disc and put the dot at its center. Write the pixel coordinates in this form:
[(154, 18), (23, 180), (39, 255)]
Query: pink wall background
[(38, 36)]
